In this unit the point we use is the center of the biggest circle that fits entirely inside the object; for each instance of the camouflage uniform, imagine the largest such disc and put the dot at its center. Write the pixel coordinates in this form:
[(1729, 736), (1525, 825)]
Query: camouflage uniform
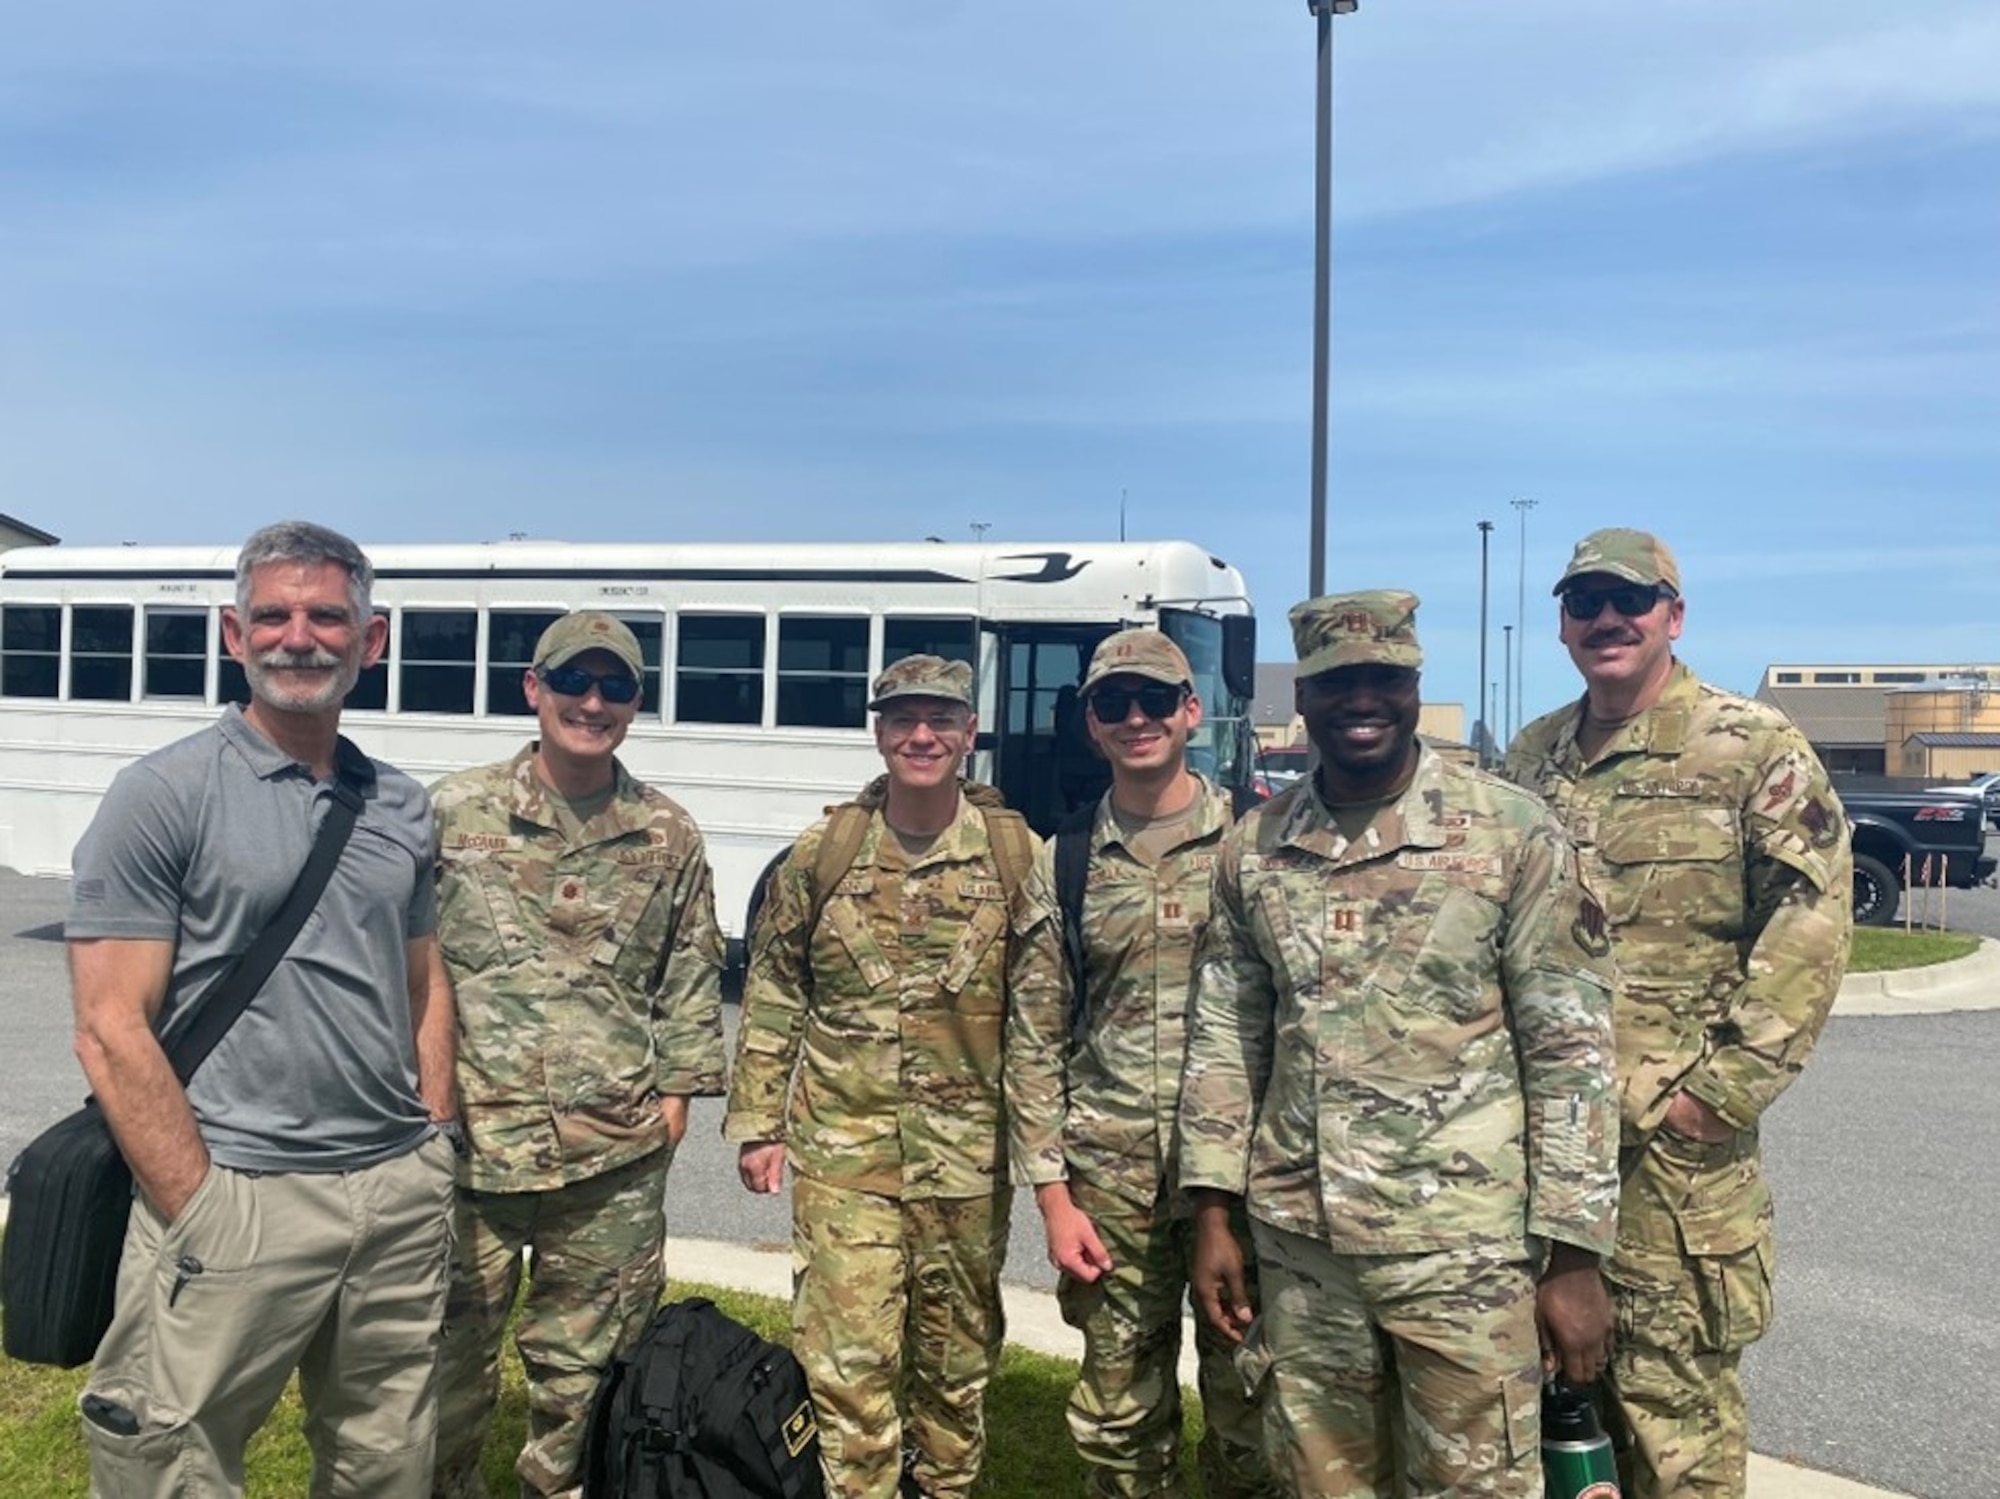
[(1401, 1057), (586, 964), (1721, 852), (870, 1043), (1104, 1118)]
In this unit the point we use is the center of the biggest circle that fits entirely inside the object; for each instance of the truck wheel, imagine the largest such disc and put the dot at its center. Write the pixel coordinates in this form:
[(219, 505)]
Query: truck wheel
[(1877, 892)]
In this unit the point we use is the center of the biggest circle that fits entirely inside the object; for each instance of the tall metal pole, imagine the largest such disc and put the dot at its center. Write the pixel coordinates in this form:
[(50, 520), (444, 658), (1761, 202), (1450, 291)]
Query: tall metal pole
[(1521, 611), (1507, 697), (1485, 726), (1323, 11)]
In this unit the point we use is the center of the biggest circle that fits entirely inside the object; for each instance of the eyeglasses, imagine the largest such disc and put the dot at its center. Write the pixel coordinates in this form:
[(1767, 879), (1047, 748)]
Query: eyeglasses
[(902, 725), (573, 681), (1630, 600), (1111, 705)]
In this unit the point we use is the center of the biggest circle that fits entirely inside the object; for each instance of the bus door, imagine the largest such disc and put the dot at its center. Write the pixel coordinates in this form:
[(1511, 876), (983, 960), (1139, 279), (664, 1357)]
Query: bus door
[(1042, 759)]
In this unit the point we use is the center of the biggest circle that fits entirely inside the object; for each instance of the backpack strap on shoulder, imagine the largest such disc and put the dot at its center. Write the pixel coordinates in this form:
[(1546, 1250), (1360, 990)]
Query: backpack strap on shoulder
[(846, 831), (1013, 851), (1072, 861), (1242, 802)]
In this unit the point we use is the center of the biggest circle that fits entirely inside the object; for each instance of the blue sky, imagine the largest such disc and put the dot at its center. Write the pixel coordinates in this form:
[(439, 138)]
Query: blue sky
[(888, 268)]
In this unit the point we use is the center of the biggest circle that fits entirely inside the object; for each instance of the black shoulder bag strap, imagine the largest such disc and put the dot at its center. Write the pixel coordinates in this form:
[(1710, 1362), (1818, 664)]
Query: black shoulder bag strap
[(233, 992), (1072, 861)]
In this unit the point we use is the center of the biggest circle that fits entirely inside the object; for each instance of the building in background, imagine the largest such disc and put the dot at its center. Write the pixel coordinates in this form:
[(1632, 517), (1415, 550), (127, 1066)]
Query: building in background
[(18, 533), (1938, 722)]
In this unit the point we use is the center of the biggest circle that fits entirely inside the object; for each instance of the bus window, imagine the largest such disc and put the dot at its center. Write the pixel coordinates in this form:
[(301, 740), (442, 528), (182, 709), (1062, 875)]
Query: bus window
[(510, 649), (953, 639), (439, 648), (1218, 749), (823, 671), (176, 663), (100, 654), (30, 650), (1043, 758), (719, 669), (647, 630)]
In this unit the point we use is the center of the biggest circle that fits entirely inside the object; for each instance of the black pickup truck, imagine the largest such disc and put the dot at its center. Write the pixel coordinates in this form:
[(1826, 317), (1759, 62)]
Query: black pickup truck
[(1941, 833)]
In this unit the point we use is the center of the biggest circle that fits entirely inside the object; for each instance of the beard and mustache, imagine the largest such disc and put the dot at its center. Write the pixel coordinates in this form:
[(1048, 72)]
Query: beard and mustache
[(269, 687)]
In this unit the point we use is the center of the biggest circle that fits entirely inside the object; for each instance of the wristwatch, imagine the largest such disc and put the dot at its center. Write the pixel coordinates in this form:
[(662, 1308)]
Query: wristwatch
[(454, 1134)]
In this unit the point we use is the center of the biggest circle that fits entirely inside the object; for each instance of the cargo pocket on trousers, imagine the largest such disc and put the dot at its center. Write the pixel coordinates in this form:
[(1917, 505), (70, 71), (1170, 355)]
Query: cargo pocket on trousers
[(1077, 1299), (131, 1461), (1521, 1402), (1734, 1290), (958, 1343), (1254, 1362)]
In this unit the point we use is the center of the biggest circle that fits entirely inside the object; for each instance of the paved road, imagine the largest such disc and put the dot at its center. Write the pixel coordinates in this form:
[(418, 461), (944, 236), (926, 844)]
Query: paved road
[(1880, 1366)]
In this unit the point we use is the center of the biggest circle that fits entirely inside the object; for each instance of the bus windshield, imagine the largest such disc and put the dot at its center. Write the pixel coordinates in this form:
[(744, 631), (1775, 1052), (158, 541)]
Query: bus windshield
[(1218, 749)]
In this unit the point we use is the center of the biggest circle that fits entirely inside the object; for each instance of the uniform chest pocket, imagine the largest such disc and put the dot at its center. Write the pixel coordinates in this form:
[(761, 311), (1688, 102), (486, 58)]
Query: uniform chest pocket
[(629, 944), (1665, 855), (851, 943), (1294, 950), (1433, 948), (982, 930), (475, 915)]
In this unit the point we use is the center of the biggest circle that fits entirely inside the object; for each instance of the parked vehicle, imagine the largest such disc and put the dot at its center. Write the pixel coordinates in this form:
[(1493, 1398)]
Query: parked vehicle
[(1985, 786), (1941, 834)]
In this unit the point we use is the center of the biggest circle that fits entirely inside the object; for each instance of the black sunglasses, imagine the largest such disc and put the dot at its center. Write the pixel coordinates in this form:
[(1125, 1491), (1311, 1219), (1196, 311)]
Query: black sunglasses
[(1629, 599), (1110, 705), (573, 681)]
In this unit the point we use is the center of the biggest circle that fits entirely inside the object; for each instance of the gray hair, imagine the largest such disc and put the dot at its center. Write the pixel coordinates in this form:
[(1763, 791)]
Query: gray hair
[(302, 541)]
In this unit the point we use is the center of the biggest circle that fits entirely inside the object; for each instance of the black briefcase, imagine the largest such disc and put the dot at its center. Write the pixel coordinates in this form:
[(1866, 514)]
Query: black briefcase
[(69, 1196)]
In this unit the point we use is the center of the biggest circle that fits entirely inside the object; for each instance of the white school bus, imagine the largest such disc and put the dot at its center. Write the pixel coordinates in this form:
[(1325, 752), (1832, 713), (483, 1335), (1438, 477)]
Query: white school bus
[(758, 660)]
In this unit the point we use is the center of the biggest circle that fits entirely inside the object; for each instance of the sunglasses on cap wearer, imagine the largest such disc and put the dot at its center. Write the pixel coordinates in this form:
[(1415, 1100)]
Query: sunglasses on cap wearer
[(1112, 705), (573, 681), (1629, 599)]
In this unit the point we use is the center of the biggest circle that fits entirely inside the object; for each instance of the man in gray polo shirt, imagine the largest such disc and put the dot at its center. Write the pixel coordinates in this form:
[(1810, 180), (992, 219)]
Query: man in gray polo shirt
[(294, 1200)]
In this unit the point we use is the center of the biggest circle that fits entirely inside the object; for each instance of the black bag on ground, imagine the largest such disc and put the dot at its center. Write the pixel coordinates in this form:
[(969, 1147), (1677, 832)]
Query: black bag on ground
[(69, 1196), (702, 1408)]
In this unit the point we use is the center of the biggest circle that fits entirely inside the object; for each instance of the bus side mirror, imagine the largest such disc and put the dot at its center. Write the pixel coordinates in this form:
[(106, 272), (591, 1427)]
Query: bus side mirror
[(1239, 654)]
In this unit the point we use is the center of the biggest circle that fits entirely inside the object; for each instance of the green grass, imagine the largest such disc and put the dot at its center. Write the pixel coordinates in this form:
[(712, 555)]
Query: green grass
[(1029, 1455), (1878, 949)]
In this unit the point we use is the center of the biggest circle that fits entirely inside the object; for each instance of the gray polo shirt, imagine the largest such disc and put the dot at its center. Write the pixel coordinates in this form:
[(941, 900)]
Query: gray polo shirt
[(198, 844)]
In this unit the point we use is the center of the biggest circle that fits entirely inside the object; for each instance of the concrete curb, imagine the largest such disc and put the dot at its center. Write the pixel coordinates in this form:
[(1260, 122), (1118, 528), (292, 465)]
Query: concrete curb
[(1033, 1322), (1968, 983)]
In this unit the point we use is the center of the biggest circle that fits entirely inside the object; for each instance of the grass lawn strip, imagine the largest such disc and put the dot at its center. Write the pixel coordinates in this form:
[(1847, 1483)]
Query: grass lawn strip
[(1029, 1454), (1883, 949)]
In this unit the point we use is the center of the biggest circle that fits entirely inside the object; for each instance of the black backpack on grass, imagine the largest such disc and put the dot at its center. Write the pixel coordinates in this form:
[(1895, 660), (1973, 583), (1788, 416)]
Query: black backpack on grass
[(702, 1408)]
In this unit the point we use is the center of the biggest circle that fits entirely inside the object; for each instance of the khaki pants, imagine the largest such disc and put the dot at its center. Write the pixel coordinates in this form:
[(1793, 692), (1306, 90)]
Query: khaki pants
[(1416, 1375), (595, 1282), (339, 1274), (896, 1319)]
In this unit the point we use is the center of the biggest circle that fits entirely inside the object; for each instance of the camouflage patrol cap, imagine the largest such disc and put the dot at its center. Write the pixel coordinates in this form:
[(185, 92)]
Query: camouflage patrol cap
[(923, 676), (589, 630), (1375, 628), (1635, 556), (1138, 652)]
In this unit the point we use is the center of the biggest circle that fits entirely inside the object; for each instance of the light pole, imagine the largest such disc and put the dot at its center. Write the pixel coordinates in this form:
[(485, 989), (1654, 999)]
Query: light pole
[(1521, 608), (1485, 728), (1323, 12), (1507, 676)]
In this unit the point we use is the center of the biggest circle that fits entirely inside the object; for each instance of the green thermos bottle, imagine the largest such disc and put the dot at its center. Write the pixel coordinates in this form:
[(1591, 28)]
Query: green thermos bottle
[(1576, 1454)]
